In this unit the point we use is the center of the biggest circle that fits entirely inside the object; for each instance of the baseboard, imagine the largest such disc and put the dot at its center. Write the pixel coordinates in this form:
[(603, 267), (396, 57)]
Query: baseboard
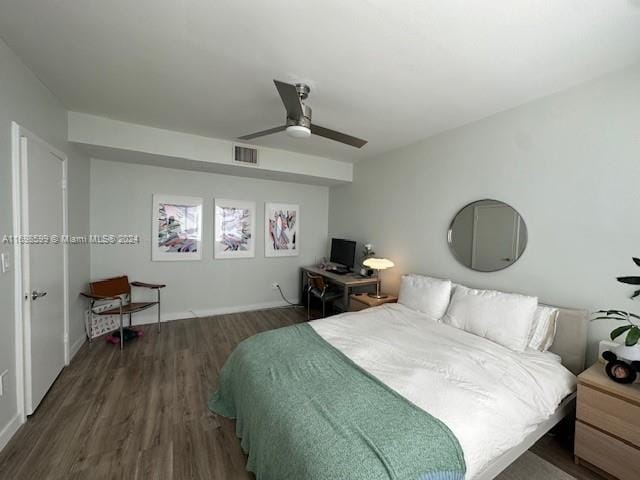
[(195, 313), (77, 345), (9, 431)]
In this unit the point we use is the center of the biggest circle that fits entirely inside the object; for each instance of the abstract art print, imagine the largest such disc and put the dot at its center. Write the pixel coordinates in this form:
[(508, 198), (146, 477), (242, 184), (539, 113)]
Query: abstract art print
[(177, 228), (282, 228), (234, 231)]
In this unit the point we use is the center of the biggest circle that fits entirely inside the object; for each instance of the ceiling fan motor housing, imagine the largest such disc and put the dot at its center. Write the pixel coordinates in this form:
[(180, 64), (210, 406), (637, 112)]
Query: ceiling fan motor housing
[(304, 121), (303, 90)]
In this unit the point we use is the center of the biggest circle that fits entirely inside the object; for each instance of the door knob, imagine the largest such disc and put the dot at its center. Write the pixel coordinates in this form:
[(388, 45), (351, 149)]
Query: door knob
[(36, 295)]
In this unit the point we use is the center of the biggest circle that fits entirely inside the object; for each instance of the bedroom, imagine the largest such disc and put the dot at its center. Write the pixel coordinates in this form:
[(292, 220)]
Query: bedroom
[(138, 108)]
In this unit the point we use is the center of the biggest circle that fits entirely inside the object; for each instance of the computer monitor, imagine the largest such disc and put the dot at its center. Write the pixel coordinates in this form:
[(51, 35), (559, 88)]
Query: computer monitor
[(343, 252)]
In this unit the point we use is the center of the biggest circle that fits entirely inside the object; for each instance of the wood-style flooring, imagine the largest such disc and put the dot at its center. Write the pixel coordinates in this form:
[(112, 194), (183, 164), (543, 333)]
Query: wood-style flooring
[(142, 413)]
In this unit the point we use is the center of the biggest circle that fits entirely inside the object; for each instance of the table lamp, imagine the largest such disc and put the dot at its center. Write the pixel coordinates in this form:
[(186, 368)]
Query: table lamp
[(378, 264)]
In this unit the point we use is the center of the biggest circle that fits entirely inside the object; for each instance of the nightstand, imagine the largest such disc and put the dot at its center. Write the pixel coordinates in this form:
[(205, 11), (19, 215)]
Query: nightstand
[(608, 425), (360, 301)]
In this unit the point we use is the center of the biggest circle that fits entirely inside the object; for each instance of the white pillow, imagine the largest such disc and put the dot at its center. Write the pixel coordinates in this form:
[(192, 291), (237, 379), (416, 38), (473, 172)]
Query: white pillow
[(504, 318), (425, 294), (543, 330)]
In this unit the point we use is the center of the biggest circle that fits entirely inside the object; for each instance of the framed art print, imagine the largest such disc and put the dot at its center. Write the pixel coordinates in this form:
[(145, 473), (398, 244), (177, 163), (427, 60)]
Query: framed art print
[(234, 229), (177, 228), (282, 228)]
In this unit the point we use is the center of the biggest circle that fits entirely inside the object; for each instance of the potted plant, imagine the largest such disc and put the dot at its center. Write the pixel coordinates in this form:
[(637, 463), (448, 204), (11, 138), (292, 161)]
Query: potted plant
[(630, 350), (367, 252)]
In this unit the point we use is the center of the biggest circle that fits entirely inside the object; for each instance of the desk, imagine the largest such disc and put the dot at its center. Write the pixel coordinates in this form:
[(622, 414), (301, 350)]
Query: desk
[(346, 281)]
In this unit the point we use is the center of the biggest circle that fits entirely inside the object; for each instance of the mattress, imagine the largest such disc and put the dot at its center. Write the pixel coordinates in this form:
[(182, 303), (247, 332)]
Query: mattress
[(489, 396)]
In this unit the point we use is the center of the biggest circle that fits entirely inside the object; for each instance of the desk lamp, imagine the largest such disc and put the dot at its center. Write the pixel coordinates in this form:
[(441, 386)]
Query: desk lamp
[(378, 264)]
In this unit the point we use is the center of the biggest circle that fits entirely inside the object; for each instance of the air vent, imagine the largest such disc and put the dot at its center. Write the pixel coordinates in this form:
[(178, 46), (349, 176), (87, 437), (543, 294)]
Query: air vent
[(245, 155)]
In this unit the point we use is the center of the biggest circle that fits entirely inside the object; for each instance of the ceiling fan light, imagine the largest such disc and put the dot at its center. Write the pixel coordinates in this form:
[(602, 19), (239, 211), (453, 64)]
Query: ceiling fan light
[(298, 131)]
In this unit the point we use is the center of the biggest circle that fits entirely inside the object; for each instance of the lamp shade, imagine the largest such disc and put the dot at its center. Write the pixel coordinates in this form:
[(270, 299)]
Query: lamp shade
[(378, 263)]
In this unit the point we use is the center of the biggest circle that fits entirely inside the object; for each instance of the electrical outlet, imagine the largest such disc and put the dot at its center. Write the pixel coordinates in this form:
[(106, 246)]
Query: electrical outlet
[(2, 382), (275, 285)]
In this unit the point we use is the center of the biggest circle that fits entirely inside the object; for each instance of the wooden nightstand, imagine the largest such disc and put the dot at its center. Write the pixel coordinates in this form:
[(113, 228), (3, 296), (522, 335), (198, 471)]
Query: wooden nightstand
[(360, 301), (608, 425)]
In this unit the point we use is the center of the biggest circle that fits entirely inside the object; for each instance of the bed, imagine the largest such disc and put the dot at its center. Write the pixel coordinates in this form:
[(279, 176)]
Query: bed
[(389, 393)]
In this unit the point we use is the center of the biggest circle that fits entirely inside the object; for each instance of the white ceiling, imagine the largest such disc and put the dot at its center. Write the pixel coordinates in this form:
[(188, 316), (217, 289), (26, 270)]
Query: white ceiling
[(392, 72)]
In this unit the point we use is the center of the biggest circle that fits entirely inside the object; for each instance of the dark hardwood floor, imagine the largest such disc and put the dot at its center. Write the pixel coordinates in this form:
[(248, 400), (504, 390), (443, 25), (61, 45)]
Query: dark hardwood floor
[(142, 413)]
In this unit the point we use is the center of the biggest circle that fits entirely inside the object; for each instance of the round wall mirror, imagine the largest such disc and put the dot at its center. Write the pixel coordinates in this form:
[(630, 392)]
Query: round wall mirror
[(487, 235)]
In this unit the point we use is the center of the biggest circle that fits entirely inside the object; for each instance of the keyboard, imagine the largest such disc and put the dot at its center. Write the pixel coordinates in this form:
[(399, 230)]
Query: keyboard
[(338, 271)]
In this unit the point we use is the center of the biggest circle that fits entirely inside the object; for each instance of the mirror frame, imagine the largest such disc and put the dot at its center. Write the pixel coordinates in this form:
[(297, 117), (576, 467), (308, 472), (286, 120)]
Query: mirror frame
[(457, 256)]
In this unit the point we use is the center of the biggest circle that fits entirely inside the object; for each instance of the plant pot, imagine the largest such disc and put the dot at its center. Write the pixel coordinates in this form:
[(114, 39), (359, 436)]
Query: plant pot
[(630, 354)]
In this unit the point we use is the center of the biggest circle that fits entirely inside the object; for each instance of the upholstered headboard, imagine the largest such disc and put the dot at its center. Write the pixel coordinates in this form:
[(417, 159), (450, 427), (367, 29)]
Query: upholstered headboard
[(571, 338)]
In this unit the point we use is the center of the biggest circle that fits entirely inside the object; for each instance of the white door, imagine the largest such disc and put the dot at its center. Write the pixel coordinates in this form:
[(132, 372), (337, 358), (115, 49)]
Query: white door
[(43, 267), (495, 237)]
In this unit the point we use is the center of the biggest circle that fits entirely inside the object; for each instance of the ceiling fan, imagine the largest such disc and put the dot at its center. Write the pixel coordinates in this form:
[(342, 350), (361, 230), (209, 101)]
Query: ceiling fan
[(299, 118)]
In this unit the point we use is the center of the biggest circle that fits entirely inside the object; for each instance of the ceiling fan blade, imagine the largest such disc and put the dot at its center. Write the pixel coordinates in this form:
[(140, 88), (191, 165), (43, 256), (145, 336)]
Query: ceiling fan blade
[(290, 98), (263, 133), (337, 136)]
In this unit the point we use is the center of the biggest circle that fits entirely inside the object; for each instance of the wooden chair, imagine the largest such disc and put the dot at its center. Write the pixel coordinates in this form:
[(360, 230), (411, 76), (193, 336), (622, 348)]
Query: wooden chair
[(119, 289), (317, 287)]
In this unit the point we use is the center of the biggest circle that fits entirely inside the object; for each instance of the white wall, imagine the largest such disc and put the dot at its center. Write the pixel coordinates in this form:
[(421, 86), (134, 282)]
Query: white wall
[(25, 100), (569, 163), (121, 198)]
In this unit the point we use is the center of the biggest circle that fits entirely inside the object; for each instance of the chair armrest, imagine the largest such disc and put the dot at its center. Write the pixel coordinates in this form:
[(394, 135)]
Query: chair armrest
[(148, 285), (99, 297)]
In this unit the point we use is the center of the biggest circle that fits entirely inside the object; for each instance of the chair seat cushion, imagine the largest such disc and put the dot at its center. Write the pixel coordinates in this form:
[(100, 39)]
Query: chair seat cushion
[(129, 308), (329, 294)]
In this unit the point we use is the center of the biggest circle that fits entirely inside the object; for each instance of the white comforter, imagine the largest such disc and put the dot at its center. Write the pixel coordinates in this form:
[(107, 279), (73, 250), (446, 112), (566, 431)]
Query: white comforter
[(489, 396)]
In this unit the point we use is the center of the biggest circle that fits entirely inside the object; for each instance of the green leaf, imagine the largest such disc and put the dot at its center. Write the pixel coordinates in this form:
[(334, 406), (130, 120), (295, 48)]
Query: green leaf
[(619, 331), (612, 312), (629, 280), (609, 317), (636, 261), (632, 337)]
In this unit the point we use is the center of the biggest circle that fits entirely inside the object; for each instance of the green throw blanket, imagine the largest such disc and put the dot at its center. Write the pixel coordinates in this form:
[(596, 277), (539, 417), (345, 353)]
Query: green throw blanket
[(305, 411)]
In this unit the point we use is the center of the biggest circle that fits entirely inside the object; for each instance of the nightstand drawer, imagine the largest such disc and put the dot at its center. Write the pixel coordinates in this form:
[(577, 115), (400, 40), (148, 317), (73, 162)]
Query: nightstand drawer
[(611, 414), (605, 452)]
